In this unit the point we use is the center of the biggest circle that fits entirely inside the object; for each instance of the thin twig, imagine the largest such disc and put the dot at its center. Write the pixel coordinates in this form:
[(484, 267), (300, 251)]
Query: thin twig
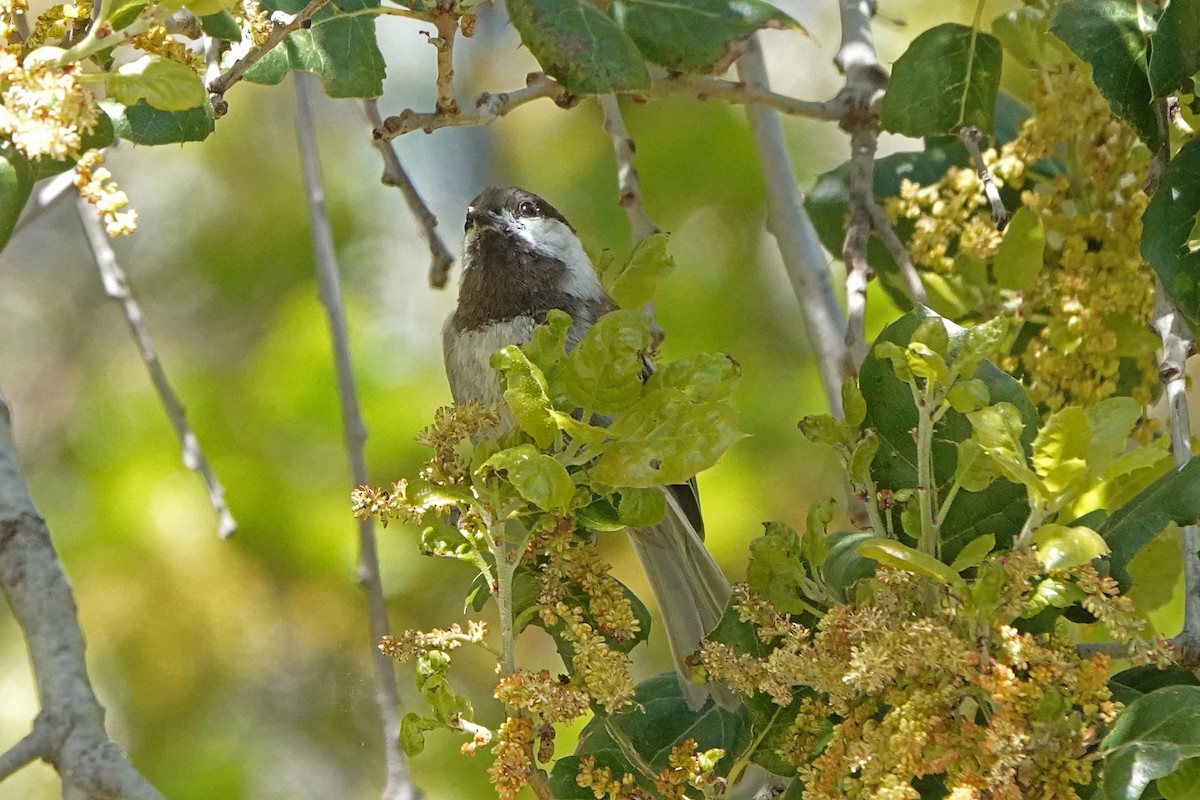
[(1177, 344), (854, 247), (398, 785), (34, 745), (488, 108), (446, 23), (969, 135), (394, 174), (283, 26), (799, 245), (116, 286), (628, 186), (491, 106)]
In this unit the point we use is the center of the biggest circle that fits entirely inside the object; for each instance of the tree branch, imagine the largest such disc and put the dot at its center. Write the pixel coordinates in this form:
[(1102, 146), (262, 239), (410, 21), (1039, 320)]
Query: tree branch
[(284, 24), (803, 258), (628, 185), (398, 784), (446, 23), (1177, 344), (69, 732), (116, 286), (969, 135), (394, 174)]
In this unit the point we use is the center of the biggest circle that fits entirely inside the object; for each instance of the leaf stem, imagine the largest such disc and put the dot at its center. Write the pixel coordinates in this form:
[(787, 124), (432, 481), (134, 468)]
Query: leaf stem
[(930, 540)]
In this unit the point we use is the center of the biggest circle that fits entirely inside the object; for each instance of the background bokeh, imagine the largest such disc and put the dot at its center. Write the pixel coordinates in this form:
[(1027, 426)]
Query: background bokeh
[(239, 669)]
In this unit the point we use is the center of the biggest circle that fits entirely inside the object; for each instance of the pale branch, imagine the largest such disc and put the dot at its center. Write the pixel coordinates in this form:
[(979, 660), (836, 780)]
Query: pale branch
[(491, 106), (899, 253), (69, 731), (854, 246), (398, 785), (116, 286), (969, 135), (1177, 345), (488, 108), (446, 23), (284, 24), (628, 186), (804, 260), (394, 174)]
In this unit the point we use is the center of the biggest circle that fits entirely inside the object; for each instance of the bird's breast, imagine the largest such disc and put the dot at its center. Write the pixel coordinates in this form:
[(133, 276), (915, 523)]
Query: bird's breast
[(468, 356)]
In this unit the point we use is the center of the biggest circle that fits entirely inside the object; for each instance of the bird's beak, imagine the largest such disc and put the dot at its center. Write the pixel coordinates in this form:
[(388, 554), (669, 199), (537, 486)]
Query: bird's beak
[(478, 218)]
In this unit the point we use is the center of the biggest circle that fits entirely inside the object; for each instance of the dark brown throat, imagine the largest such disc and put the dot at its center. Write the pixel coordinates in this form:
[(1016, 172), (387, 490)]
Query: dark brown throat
[(504, 280)]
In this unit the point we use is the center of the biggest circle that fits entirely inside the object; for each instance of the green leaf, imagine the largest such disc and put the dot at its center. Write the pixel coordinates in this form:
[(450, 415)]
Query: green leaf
[(1183, 783), (1175, 48), (854, 405), (1107, 35), (1060, 449), (526, 394), (775, 572), (1019, 260), (634, 284), (142, 124), (339, 47), (16, 182), (537, 477), (975, 469), (1110, 423), (604, 371), (1060, 547), (579, 46), (1153, 736), (998, 430), (695, 35), (814, 547), (666, 439), (844, 567), (703, 377), (412, 732), (947, 78), (1157, 572), (206, 8), (974, 553), (998, 507), (1166, 225), (1022, 33), (640, 508), (967, 396), (221, 25), (1175, 497), (859, 466), (164, 84), (900, 556)]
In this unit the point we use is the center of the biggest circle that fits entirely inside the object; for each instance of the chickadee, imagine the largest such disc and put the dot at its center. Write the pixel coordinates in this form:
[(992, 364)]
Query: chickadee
[(521, 259)]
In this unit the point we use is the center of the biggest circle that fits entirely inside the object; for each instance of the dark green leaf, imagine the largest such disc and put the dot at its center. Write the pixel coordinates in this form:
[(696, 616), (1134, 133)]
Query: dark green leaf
[(339, 48), (1150, 739), (16, 182), (142, 124), (947, 78), (579, 46), (221, 25), (1183, 783), (1107, 35), (1166, 225), (844, 567), (1175, 497), (1175, 47), (695, 35)]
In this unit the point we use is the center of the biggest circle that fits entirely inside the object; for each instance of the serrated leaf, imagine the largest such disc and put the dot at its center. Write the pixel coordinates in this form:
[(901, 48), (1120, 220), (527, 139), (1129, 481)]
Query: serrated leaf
[(1110, 424), (666, 440), (1166, 225), (604, 372), (1062, 547), (1153, 736), (634, 284), (1019, 260), (579, 46), (164, 84), (1175, 497), (1062, 442), (1175, 47), (1107, 34), (142, 124), (695, 35), (947, 78), (526, 393), (537, 477), (998, 430), (702, 376), (339, 47)]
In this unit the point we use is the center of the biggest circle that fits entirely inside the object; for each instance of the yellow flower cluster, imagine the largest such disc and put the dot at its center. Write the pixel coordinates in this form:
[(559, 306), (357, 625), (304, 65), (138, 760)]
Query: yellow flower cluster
[(410, 644), (96, 186), (45, 110), (1090, 307), (919, 683), (255, 23), (552, 699), (157, 41), (451, 425), (9, 11), (572, 562), (688, 768), (1116, 613), (58, 22), (601, 671), (605, 786), (513, 757)]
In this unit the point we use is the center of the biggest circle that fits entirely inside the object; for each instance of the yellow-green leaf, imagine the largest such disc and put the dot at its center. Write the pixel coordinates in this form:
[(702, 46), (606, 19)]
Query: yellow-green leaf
[(1019, 260), (164, 84)]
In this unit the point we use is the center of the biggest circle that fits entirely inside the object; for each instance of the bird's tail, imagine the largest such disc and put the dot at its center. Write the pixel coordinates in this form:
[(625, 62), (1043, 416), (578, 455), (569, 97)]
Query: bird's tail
[(691, 592)]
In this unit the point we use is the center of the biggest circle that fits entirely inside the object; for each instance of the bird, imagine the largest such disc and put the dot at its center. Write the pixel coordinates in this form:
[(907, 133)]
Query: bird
[(521, 259)]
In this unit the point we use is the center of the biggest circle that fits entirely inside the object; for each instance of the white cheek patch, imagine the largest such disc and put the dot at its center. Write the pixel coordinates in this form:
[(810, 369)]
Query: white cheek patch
[(553, 238)]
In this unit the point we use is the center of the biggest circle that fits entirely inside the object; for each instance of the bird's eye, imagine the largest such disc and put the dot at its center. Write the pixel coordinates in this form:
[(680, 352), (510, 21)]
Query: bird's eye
[(527, 208)]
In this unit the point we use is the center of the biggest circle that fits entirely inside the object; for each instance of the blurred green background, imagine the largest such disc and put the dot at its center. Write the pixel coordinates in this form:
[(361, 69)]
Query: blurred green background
[(240, 669)]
